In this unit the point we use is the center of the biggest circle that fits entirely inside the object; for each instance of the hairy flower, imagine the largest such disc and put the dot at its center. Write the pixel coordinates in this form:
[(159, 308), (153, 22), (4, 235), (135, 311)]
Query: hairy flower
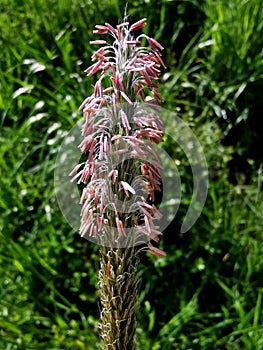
[(121, 125), (122, 171)]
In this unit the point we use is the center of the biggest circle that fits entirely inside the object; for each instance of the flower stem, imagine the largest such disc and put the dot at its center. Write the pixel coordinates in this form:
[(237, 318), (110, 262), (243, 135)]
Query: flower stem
[(122, 171), (119, 289)]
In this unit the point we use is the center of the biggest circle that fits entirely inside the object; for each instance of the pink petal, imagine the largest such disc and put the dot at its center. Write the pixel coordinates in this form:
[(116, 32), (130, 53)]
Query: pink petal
[(99, 26), (120, 227), (156, 251), (137, 25), (154, 44), (98, 42), (124, 24), (126, 98), (127, 187), (100, 31), (132, 42), (113, 30)]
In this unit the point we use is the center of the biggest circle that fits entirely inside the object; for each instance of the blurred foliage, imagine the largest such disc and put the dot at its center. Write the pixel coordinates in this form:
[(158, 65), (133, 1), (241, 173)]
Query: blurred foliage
[(206, 294)]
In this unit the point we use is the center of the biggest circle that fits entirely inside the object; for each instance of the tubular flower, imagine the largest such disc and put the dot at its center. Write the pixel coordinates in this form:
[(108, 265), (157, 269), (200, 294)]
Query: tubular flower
[(121, 173)]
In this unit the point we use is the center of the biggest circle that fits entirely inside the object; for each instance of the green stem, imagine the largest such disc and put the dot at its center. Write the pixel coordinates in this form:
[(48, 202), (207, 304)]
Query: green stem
[(119, 289)]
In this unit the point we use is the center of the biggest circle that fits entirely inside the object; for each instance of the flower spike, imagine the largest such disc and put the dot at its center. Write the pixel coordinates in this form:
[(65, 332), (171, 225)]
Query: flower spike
[(122, 170)]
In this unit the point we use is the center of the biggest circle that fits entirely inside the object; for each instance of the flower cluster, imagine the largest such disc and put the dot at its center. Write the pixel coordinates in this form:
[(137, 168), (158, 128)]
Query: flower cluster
[(121, 125)]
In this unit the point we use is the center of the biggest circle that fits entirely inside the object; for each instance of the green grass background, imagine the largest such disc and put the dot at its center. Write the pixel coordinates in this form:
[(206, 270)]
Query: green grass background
[(207, 293)]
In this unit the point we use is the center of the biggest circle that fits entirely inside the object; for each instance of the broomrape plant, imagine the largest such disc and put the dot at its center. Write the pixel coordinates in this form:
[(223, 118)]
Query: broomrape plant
[(121, 173)]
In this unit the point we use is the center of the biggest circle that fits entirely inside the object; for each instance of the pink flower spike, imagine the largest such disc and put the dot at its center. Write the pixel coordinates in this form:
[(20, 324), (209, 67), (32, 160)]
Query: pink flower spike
[(138, 25), (128, 72), (156, 251)]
